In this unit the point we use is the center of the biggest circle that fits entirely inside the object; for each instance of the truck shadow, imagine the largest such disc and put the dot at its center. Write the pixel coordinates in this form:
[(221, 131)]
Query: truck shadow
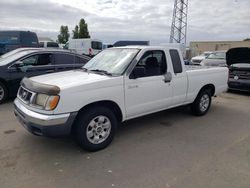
[(150, 123), (138, 130), (244, 93)]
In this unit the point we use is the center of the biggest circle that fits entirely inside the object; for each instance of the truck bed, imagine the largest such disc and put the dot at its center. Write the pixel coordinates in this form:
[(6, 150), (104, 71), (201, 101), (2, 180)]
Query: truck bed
[(199, 76), (197, 67)]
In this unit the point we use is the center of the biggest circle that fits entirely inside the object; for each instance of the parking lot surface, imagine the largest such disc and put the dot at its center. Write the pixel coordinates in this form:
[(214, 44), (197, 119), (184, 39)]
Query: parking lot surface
[(167, 149)]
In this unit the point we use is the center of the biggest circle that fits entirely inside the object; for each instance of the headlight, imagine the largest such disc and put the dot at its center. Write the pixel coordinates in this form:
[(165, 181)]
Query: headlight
[(46, 102)]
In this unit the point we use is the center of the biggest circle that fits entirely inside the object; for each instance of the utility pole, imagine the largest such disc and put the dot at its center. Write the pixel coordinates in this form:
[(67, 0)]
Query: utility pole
[(179, 22)]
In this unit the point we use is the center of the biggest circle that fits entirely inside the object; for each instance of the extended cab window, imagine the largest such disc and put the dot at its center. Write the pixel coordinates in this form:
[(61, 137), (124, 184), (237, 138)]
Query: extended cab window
[(176, 61), (154, 63)]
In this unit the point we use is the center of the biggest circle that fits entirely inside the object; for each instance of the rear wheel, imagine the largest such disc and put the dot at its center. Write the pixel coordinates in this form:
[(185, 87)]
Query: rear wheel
[(95, 128), (202, 103), (3, 93)]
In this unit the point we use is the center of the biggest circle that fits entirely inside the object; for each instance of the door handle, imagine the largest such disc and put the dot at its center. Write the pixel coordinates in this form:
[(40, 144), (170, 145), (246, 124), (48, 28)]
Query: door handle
[(166, 81), (133, 86)]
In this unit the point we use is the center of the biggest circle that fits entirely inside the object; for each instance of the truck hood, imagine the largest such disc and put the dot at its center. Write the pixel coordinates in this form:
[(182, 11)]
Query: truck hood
[(238, 55), (69, 79)]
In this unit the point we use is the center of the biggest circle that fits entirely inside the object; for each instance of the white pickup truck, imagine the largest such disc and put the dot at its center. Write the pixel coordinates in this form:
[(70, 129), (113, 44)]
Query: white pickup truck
[(116, 85)]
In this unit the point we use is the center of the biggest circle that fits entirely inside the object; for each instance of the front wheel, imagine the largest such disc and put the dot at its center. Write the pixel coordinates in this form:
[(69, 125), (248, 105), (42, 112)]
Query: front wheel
[(3, 93), (95, 128), (202, 103)]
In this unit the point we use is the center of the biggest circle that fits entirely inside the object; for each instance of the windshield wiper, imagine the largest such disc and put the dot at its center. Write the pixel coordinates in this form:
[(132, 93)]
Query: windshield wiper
[(84, 69), (102, 71)]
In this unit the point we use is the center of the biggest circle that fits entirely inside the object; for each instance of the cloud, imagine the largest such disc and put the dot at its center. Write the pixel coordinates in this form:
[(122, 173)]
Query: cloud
[(112, 20)]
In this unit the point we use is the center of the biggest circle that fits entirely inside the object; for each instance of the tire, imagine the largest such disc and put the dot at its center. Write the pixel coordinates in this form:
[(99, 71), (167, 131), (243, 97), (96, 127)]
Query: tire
[(3, 92), (95, 128), (202, 103)]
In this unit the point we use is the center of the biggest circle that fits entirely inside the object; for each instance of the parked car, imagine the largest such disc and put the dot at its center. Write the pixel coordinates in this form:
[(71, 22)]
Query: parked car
[(217, 58), (48, 44), (89, 47), (32, 62), (116, 85), (197, 59), (11, 40), (238, 60)]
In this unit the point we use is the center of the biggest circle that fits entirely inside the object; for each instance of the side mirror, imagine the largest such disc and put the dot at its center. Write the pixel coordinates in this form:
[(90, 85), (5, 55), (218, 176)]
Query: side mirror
[(138, 72), (167, 77), (18, 64)]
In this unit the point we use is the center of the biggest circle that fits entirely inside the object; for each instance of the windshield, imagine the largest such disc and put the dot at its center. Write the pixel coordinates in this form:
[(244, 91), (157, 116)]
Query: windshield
[(114, 61), (12, 57), (217, 55)]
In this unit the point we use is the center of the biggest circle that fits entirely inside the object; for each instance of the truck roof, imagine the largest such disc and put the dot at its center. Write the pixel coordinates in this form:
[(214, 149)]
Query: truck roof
[(150, 47)]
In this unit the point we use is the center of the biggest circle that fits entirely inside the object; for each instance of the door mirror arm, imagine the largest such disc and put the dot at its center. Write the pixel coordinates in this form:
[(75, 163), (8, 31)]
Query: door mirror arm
[(18, 65)]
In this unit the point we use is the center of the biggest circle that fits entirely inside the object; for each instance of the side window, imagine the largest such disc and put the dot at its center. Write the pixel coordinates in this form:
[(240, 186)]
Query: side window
[(41, 44), (176, 61), (154, 63), (38, 60), (64, 59), (96, 45), (52, 45), (44, 59), (80, 60), (30, 61)]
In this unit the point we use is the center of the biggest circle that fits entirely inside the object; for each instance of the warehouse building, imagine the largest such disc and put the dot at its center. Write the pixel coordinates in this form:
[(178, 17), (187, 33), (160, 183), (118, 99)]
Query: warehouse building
[(198, 47)]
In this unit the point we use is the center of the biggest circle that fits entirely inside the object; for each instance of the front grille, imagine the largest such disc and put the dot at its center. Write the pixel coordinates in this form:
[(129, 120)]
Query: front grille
[(240, 74), (25, 95)]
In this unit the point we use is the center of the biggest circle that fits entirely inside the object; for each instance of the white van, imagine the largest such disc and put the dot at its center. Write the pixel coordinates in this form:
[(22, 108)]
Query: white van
[(89, 47)]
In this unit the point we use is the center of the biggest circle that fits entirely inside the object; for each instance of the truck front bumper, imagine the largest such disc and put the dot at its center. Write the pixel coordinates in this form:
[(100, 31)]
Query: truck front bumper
[(41, 124), (241, 85)]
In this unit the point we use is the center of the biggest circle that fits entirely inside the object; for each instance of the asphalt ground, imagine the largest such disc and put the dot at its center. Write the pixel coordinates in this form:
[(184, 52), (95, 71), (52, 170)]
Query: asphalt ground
[(167, 149)]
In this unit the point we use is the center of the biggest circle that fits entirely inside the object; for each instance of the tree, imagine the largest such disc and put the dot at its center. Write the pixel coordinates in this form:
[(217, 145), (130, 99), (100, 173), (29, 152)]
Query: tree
[(76, 32), (81, 31), (63, 37)]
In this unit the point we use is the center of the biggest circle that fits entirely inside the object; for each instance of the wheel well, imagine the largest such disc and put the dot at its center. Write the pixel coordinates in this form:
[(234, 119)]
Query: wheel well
[(4, 83), (211, 87), (109, 104)]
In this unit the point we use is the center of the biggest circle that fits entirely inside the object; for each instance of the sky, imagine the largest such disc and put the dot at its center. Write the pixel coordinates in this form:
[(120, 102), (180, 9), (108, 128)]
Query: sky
[(113, 20)]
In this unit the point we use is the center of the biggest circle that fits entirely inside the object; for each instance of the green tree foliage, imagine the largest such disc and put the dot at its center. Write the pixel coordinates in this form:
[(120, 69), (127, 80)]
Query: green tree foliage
[(76, 32), (63, 37), (81, 31)]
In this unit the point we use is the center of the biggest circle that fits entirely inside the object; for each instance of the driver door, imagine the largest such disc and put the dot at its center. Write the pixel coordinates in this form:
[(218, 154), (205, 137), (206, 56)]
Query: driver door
[(149, 92)]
